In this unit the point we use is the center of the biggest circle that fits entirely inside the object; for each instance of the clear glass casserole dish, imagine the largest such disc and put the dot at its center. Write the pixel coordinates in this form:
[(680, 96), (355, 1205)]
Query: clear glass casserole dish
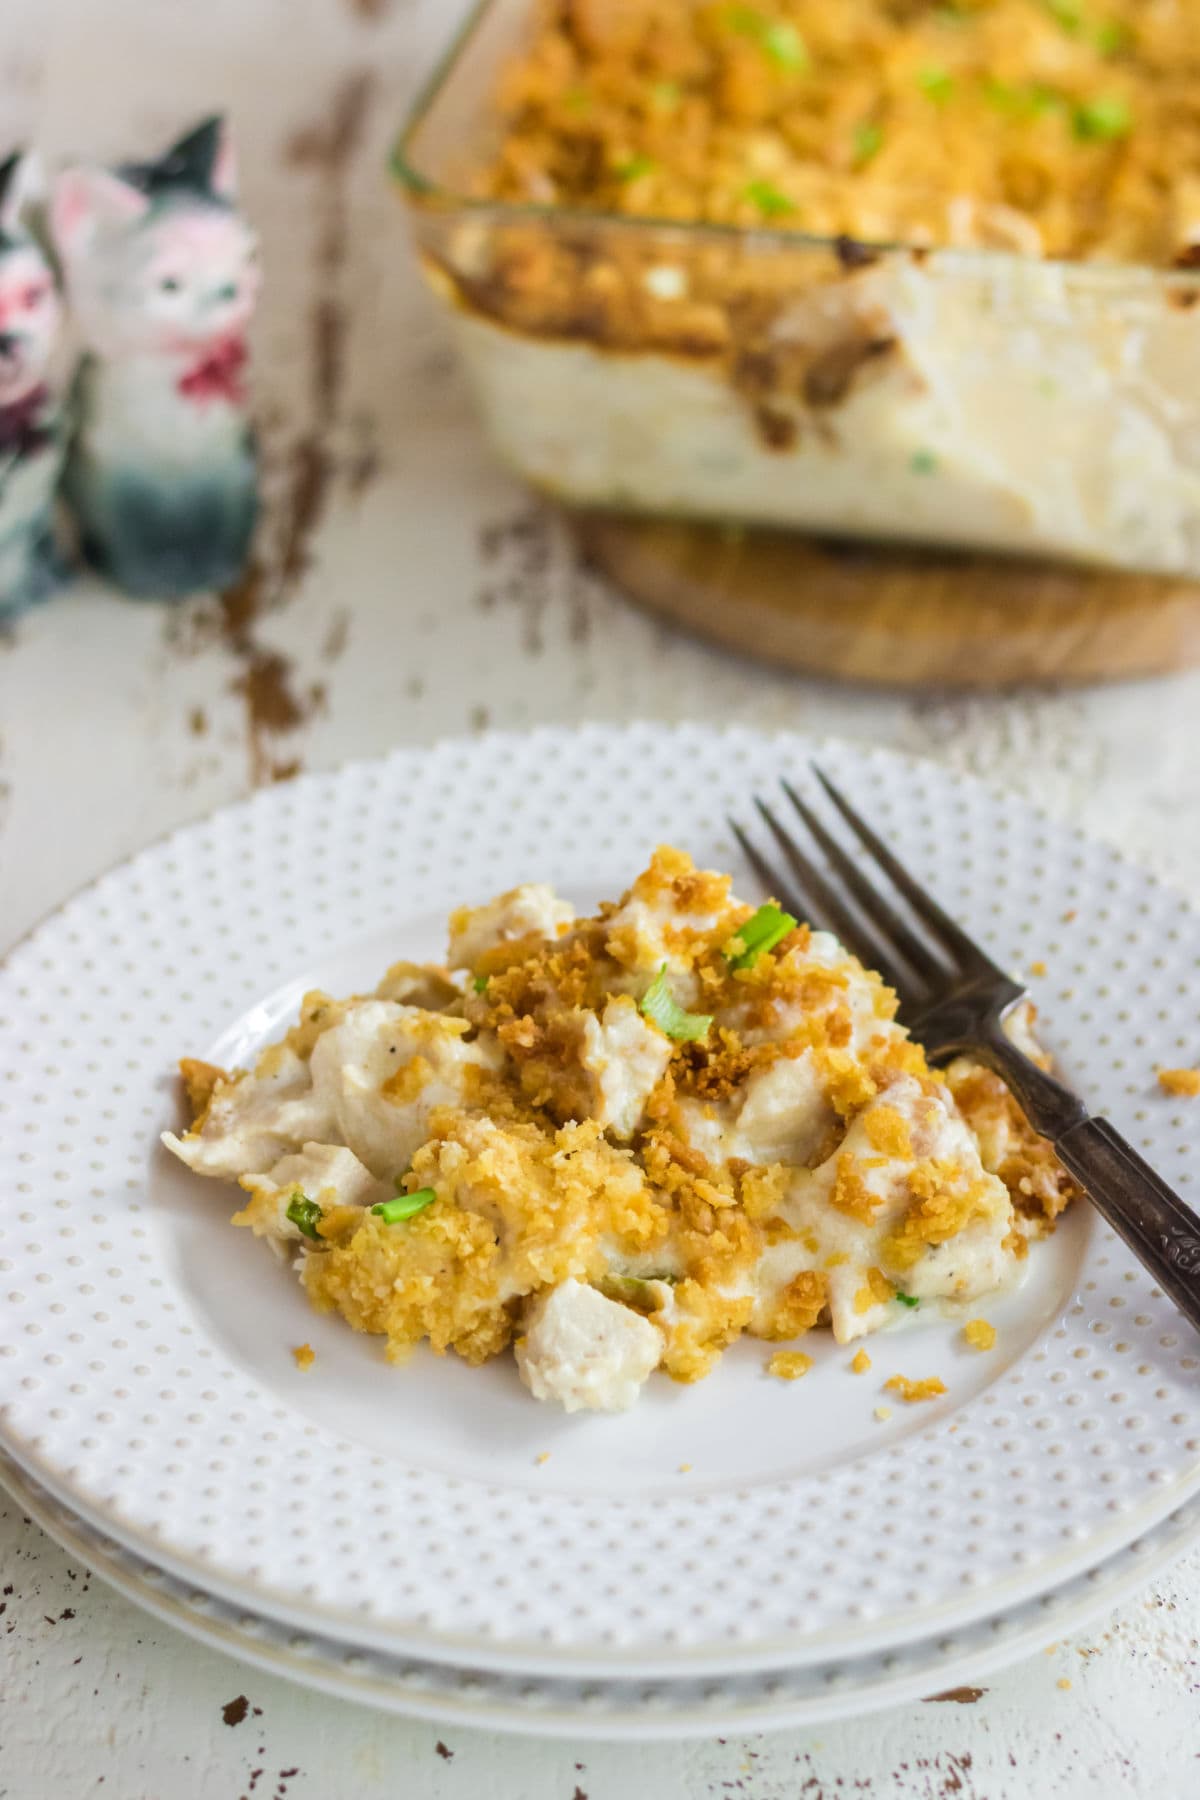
[(980, 399)]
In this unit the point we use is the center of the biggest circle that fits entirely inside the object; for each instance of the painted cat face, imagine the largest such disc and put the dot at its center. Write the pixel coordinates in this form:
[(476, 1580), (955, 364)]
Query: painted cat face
[(154, 264), (30, 312)]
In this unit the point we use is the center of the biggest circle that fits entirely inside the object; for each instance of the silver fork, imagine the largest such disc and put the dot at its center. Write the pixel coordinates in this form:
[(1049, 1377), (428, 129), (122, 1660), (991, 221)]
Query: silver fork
[(953, 998)]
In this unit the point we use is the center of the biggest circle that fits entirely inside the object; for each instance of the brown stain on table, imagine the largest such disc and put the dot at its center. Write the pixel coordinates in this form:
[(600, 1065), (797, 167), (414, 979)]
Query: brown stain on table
[(959, 1696), (276, 704)]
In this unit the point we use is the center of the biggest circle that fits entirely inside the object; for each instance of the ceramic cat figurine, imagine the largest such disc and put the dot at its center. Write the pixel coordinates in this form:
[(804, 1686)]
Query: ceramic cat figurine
[(162, 273), (32, 421)]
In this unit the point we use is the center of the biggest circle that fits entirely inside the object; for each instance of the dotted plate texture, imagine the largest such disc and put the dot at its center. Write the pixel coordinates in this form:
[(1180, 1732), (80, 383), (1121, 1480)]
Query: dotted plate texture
[(145, 1374), (544, 1706)]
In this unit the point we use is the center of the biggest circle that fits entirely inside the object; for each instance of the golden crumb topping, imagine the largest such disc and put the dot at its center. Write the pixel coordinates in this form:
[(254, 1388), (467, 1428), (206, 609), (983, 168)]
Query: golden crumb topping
[(912, 1391), (860, 1362), (305, 1356), (979, 1334), (199, 1080), (789, 1365), (1184, 1083), (1042, 126)]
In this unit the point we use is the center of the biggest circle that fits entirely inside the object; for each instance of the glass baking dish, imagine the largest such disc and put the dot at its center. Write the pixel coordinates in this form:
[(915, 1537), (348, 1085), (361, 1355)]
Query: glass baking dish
[(977, 399)]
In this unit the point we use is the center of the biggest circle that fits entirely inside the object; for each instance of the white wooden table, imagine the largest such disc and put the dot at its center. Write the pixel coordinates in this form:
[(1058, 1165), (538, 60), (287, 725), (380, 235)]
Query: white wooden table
[(411, 591)]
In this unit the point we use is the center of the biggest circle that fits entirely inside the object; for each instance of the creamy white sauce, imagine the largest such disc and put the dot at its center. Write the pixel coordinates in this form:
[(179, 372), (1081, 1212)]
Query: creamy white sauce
[(1032, 408)]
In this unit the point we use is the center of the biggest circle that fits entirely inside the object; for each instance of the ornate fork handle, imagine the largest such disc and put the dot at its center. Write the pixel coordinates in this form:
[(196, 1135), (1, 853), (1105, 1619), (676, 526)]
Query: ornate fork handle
[(1159, 1227)]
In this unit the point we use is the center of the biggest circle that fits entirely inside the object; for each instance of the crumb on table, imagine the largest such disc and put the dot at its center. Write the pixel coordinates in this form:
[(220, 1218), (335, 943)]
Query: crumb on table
[(1037, 968), (861, 1362), (789, 1365), (1180, 1081), (1064, 1681), (910, 1390), (685, 1468), (883, 1413), (543, 1458), (980, 1334), (305, 1356)]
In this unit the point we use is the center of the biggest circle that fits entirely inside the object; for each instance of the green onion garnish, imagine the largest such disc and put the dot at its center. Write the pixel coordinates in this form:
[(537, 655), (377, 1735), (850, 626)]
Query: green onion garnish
[(479, 983), (660, 1005), (778, 40), (768, 199), (785, 47), (868, 142), (1021, 100), (304, 1214), (404, 1206), (1111, 36), (1102, 119), (907, 1299), (923, 462), (630, 167), (761, 932), (1067, 13), (936, 83)]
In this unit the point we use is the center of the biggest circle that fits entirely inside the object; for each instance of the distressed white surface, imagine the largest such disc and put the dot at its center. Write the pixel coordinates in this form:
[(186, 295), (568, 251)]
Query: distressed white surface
[(462, 605)]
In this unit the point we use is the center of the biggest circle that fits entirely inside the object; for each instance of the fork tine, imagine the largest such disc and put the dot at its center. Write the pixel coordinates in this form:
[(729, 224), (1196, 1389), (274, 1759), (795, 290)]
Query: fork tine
[(883, 915), (768, 876), (937, 921), (858, 934)]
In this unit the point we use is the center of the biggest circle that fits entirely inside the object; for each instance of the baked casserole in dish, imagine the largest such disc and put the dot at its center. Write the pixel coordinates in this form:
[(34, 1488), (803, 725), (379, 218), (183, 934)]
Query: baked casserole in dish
[(883, 269)]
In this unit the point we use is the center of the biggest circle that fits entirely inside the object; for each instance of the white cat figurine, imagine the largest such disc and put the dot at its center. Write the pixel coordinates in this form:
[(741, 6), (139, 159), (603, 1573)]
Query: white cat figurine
[(162, 274), (32, 428)]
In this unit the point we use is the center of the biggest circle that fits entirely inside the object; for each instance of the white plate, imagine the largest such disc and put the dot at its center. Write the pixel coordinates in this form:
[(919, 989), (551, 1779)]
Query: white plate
[(147, 1380), (546, 1707)]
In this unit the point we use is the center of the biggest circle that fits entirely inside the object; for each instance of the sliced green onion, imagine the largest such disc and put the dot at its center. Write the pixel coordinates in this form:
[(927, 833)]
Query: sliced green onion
[(304, 1214), (777, 39), (630, 167), (907, 1299), (923, 462), (785, 47), (660, 1005), (761, 932), (768, 199), (1067, 13), (936, 83), (868, 142), (479, 983), (404, 1206), (1102, 119), (1111, 36)]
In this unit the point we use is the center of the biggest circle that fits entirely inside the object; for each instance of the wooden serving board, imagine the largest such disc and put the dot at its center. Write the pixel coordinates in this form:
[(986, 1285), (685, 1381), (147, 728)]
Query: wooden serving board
[(896, 614)]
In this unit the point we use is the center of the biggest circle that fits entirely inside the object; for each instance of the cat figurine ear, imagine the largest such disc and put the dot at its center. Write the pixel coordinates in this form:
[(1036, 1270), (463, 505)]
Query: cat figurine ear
[(88, 202), (32, 415), (201, 163), (162, 273)]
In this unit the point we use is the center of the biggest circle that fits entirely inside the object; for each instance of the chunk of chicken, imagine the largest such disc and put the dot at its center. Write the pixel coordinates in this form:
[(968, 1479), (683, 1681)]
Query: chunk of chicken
[(533, 910), (327, 1173), (253, 1120), (586, 1351)]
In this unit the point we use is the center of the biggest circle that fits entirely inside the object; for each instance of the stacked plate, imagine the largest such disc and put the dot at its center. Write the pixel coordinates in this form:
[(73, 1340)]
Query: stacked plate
[(741, 1554)]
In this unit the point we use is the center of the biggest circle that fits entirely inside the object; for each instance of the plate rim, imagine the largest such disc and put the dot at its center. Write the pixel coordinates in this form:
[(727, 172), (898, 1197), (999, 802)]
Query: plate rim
[(318, 1673)]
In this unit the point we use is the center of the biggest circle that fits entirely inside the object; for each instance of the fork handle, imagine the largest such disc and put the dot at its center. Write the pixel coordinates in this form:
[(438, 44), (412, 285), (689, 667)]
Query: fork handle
[(1159, 1227)]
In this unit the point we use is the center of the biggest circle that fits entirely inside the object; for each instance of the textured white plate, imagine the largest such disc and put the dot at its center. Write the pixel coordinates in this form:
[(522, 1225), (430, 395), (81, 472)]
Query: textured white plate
[(146, 1379), (546, 1707)]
